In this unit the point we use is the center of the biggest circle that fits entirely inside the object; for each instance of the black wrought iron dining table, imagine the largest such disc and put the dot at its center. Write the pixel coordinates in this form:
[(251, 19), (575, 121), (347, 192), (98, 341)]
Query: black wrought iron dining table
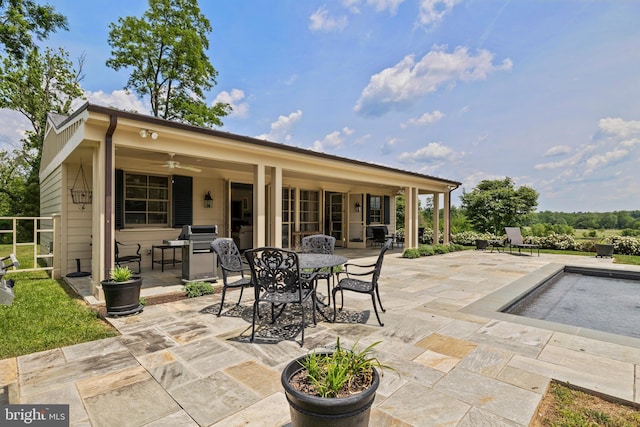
[(316, 262)]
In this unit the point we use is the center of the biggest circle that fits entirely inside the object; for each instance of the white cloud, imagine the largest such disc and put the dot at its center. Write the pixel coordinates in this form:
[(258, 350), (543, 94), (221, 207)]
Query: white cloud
[(619, 127), (382, 5), (352, 5), (432, 151), (13, 129), (432, 11), (233, 98), (557, 150), (281, 128), (626, 132), (480, 139), (408, 80), (332, 141), (120, 99), (320, 20), (425, 119), (601, 160)]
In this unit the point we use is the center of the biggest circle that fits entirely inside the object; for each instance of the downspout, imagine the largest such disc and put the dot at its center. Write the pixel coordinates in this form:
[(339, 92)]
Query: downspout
[(108, 194)]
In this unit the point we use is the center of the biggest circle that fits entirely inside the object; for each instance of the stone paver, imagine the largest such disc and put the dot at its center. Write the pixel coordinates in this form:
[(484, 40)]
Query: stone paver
[(453, 362)]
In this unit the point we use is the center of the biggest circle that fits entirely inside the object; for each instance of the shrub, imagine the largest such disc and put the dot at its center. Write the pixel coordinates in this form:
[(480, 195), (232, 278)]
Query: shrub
[(624, 245), (440, 249), (425, 250), (411, 253), (198, 289)]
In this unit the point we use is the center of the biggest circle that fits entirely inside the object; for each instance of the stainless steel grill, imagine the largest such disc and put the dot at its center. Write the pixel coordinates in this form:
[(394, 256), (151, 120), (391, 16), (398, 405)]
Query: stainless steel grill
[(198, 260)]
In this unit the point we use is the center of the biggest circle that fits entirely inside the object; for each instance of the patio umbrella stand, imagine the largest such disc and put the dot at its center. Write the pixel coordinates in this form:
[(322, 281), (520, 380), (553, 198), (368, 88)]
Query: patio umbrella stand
[(79, 273)]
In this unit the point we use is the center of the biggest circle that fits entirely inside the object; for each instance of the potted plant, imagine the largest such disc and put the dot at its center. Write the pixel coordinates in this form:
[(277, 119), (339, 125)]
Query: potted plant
[(604, 248), (122, 292), (332, 388)]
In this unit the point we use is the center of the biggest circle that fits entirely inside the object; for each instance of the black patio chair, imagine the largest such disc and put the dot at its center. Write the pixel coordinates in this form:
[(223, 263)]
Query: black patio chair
[(320, 244), (277, 280), (370, 287), (232, 265), (128, 253), (379, 236)]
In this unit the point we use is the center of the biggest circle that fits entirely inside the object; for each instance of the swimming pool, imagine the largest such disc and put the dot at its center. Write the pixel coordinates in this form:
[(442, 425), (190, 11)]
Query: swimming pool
[(601, 299), (496, 304)]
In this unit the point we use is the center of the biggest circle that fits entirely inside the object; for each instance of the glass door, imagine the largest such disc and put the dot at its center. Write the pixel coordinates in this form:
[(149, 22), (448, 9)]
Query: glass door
[(336, 217)]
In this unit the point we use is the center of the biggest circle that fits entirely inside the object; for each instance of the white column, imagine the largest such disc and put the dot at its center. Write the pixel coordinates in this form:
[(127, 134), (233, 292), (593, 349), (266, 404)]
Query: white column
[(259, 206), (446, 221), (276, 207), (436, 218)]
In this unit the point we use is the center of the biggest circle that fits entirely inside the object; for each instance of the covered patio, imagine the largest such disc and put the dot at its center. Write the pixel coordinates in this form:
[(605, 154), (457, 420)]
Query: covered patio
[(113, 176)]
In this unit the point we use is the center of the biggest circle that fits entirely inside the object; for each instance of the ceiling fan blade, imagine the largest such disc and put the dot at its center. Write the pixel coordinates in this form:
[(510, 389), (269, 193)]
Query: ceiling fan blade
[(189, 168)]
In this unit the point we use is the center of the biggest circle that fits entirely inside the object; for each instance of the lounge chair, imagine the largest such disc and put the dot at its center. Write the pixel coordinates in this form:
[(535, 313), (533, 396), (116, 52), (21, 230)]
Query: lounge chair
[(515, 240)]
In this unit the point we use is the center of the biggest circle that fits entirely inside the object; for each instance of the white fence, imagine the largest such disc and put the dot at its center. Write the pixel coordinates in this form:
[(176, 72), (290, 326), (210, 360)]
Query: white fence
[(37, 254)]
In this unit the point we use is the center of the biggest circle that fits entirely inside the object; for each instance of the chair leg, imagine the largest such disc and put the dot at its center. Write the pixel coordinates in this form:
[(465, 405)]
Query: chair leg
[(224, 291), (373, 300), (253, 320), (241, 290), (380, 302), (333, 296)]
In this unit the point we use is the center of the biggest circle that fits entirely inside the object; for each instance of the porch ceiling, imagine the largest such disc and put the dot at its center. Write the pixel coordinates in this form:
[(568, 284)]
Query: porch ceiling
[(153, 160)]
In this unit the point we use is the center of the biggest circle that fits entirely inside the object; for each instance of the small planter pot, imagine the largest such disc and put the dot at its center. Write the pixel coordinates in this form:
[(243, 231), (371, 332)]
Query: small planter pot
[(604, 250), (122, 298), (314, 411)]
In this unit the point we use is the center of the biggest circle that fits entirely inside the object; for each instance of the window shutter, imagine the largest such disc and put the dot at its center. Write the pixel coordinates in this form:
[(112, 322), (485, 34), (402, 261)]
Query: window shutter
[(387, 209), (182, 201), (119, 199), (368, 209)]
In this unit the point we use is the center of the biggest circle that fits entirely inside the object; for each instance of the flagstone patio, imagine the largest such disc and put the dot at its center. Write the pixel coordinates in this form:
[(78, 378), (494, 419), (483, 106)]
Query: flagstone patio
[(455, 364)]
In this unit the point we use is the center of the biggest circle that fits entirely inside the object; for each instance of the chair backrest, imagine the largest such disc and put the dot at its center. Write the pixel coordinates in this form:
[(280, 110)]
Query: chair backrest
[(379, 235), (318, 244), (228, 254), (514, 236), (274, 270), (378, 267)]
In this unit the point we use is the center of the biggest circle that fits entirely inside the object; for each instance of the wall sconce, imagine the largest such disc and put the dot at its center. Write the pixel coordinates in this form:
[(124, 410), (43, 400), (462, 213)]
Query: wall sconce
[(357, 206), (208, 200), (145, 133)]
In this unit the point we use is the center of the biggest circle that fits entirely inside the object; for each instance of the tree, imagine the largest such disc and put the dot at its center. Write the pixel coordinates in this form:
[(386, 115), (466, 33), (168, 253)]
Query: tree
[(38, 85), (21, 20), (166, 51), (496, 204)]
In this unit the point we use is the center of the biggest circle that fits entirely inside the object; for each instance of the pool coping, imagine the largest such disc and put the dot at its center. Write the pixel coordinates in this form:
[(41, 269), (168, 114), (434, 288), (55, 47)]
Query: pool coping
[(491, 306)]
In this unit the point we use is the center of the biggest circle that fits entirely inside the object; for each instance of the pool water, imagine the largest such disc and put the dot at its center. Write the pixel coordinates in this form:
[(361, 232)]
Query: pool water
[(607, 302)]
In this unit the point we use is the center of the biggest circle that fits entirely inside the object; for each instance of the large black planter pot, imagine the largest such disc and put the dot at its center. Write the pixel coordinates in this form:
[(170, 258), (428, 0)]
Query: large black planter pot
[(314, 411), (122, 298), (604, 250)]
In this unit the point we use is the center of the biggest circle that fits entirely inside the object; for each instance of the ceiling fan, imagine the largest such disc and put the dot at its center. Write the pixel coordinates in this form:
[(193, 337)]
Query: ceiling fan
[(173, 164)]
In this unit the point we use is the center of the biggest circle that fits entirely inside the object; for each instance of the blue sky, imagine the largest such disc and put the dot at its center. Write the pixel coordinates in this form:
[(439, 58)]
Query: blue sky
[(545, 92)]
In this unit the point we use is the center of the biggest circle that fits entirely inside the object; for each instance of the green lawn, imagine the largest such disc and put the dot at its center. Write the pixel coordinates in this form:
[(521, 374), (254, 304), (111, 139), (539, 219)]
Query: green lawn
[(46, 315)]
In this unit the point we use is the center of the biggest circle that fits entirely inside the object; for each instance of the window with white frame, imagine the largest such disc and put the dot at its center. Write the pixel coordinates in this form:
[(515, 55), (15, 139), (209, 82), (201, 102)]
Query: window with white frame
[(146, 200), (375, 209)]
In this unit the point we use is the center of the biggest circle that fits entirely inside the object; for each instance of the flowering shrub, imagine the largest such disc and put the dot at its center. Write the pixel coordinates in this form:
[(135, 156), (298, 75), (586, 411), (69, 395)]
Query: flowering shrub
[(624, 245), (468, 238), (563, 242)]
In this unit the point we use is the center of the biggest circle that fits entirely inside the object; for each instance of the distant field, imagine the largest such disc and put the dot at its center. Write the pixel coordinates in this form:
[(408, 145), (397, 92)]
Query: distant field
[(580, 233)]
